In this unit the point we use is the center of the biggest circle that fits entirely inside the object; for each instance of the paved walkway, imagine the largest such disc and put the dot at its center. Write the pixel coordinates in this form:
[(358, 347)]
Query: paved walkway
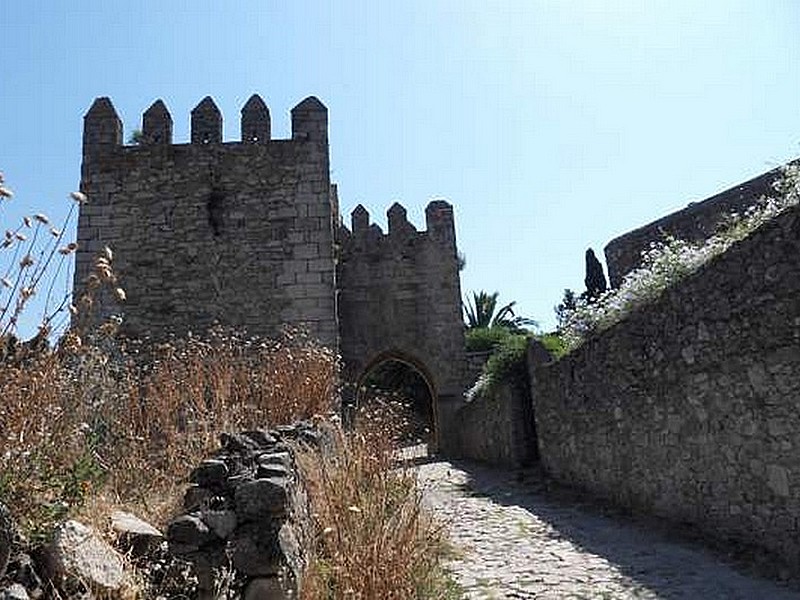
[(514, 542)]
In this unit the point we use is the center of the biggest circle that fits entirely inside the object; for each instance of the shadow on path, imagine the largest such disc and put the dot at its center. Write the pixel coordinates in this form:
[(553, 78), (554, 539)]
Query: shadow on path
[(664, 560)]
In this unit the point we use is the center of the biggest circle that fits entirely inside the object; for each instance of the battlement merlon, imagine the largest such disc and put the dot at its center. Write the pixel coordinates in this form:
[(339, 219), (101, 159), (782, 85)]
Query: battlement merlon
[(102, 129), (310, 121), (440, 222), (157, 125)]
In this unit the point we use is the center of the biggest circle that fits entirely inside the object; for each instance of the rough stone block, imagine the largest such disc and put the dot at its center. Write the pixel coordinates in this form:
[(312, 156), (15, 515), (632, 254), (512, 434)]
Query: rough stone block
[(262, 498)]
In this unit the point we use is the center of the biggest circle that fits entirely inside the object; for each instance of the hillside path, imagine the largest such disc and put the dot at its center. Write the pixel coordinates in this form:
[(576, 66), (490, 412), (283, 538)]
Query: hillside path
[(513, 540)]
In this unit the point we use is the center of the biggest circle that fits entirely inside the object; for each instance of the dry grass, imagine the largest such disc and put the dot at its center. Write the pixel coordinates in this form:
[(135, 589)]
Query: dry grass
[(373, 537), (92, 425)]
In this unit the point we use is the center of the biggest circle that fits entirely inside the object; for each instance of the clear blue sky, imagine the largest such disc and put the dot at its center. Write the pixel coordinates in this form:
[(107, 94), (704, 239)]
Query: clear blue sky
[(551, 126)]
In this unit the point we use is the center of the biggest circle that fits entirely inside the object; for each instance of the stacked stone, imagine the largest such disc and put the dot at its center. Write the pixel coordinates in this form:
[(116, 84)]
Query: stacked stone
[(246, 512)]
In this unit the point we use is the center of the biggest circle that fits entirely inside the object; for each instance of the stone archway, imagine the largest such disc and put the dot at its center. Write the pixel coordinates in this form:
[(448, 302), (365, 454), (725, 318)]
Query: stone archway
[(397, 379)]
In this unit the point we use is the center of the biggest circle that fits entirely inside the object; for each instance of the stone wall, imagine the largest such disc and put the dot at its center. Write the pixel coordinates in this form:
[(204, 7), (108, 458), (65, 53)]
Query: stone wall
[(400, 298), (495, 426), (235, 232), (690, 408), (247, 510), (696, 222)]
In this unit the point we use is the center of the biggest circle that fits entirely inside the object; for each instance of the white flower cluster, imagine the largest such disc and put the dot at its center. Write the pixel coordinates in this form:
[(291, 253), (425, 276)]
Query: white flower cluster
[(667, 262)]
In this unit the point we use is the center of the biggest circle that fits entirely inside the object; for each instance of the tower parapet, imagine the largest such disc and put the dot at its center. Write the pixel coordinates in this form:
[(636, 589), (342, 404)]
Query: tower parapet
[(367, 236), (103, 129)]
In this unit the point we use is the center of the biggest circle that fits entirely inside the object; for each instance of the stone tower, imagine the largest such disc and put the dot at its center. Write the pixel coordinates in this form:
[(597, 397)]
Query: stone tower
[(240, 233)]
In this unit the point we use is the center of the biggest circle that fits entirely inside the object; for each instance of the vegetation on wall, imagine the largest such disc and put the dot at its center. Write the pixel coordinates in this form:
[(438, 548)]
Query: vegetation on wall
[(665, 263), (505, 335)]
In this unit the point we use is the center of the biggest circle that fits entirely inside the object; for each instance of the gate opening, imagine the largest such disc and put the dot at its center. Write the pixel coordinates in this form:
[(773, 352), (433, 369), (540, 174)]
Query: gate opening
[(397, 392)]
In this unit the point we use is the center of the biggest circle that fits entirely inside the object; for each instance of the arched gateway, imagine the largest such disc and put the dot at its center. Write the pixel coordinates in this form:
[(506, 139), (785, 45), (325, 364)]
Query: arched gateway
[(247, 233)]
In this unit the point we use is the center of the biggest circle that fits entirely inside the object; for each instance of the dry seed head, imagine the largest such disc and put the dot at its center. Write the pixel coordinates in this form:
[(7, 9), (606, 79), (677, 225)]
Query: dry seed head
[(55, 232), (120, 294), (21, 237), (27, 292), (108, 253), (5, 192), (78, 197), (26, 261), (41, 218), (73, 310), (6, 282), (27, 220)]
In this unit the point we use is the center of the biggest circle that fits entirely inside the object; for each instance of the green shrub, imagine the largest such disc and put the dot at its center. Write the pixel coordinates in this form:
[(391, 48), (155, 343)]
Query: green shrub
[(554, 344), (507, 362), (483, 339)]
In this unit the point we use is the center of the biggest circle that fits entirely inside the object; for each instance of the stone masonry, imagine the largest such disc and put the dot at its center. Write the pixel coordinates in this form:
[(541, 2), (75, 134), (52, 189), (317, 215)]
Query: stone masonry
[(689, 408)]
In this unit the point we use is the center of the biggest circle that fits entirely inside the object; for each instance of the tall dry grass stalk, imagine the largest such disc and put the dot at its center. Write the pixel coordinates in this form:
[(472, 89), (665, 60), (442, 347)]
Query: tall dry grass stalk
[(373, 537)]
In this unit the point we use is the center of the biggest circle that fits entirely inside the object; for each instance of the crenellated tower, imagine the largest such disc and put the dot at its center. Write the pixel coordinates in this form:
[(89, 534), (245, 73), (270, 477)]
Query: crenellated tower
[(235, 232), (400, 297)]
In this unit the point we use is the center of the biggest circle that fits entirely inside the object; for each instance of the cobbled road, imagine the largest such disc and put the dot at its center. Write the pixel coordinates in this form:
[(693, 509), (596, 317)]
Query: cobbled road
[(514, 540)]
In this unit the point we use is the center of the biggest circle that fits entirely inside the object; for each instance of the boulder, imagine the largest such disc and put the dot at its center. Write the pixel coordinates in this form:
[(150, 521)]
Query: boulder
[(261, 499), (78, 552), (221, 522), (134, 534), (187, 534)]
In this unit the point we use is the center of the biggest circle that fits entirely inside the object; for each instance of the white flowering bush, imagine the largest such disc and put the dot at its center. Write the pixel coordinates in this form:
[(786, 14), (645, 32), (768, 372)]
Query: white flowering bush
[(667, 262)]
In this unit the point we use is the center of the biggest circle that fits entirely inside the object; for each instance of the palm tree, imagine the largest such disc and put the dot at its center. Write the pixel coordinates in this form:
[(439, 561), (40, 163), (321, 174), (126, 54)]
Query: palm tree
[(483, 312)]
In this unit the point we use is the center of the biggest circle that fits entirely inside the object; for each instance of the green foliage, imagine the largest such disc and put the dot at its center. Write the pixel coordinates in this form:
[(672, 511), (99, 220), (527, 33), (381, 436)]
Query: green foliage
[(136, 138), (482, 311), (483, 339), (554, 344), (595, 279), (564, 310), (507, 362)]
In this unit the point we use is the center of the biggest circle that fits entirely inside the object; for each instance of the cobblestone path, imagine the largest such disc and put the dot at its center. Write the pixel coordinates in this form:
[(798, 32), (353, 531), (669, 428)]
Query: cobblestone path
[(514, 542)]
